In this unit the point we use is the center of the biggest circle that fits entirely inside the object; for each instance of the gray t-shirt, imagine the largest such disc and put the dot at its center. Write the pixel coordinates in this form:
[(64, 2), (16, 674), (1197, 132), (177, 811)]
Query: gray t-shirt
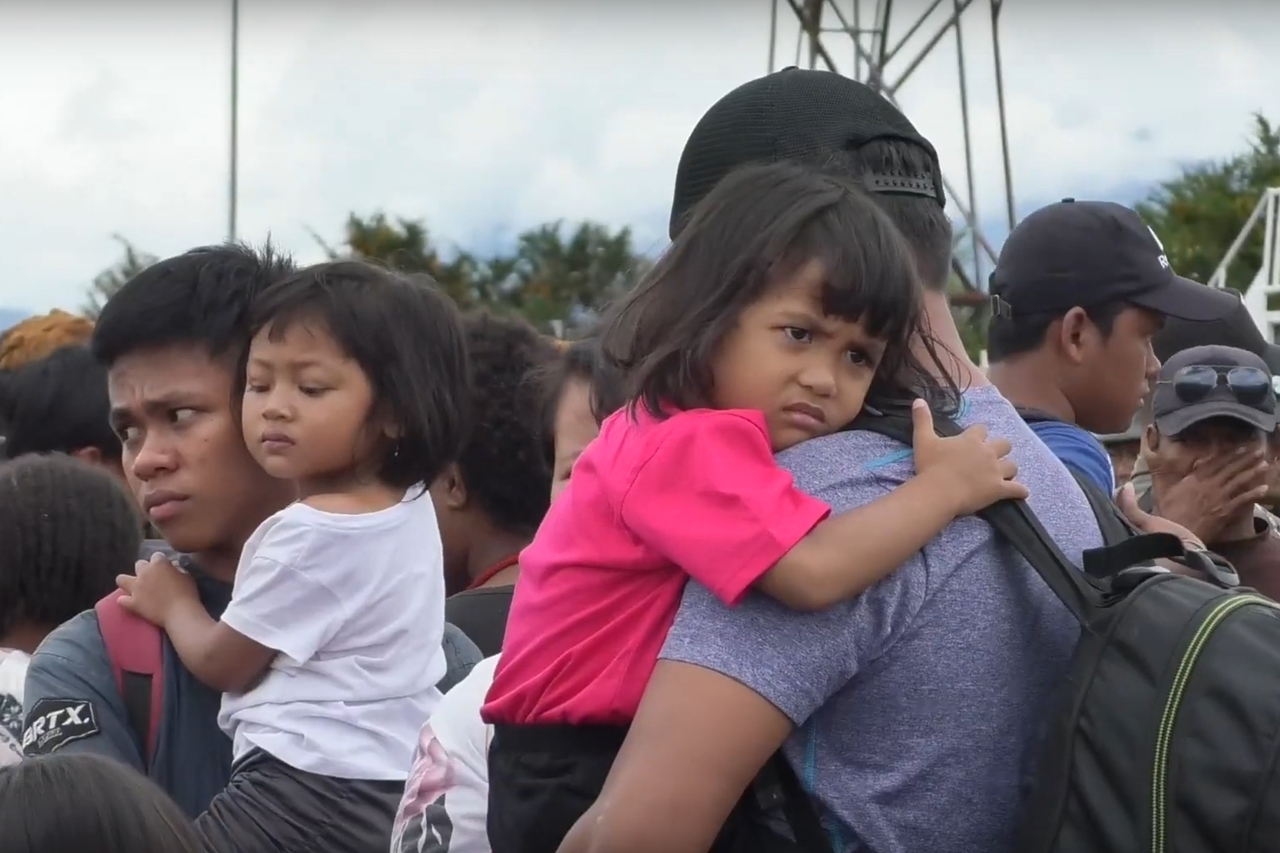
[(918, 703)]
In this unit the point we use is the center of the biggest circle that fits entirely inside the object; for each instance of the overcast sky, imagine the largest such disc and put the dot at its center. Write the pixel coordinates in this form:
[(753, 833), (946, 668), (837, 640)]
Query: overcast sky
[(487, 117)]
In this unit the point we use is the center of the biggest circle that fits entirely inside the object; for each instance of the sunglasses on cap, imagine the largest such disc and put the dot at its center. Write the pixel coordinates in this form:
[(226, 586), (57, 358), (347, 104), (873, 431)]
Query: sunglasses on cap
[(1250, 385)]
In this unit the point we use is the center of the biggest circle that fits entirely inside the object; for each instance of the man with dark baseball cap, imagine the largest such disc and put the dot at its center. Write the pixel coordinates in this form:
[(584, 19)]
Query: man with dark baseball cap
[(1084, 253), (1235, 329), (1204, 383), (741, 681), (1077, 294), (1213, 412)]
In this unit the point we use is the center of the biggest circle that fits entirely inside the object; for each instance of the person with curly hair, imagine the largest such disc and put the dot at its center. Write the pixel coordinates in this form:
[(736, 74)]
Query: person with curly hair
[(491, 501), (67, 528), (36, 337)]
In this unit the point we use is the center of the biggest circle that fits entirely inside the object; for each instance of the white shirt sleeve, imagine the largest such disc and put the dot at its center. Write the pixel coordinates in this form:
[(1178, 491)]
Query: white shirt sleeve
[(284, 596)]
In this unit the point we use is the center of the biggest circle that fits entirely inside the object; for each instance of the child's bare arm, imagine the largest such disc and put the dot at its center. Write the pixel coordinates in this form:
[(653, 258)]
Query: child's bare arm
[(850, 552), (216, 654)]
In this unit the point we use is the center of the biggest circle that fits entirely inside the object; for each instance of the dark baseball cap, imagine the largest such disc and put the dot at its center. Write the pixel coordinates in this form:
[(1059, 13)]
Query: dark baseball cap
[(795, 114), (1087, 253), (1174, 411), (1236, 329)]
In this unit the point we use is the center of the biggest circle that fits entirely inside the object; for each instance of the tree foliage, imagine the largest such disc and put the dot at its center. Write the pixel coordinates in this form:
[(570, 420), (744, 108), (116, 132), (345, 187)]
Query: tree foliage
[(405, 245), (107, 282), (1199, 214), (971, 320), (553, 275)]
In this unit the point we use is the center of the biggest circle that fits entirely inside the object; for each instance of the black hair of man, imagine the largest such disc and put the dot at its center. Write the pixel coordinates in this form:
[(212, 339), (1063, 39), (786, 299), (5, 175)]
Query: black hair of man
[(200, 298)]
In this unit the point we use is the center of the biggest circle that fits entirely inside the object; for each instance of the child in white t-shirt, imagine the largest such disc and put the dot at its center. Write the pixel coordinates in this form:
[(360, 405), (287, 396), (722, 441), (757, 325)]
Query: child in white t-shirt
[(330, 649)]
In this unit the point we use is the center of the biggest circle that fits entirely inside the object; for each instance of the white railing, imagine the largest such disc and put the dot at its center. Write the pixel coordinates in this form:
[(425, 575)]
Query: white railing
[(1267, 281)]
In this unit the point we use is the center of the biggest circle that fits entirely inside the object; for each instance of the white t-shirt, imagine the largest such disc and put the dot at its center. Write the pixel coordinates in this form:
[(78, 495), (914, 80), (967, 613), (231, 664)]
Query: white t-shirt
[(446, 800), (354, 604), (13, 676)]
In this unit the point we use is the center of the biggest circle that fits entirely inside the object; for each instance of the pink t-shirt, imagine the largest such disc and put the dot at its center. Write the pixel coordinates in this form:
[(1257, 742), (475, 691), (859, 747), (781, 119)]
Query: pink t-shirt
[(651, 503)]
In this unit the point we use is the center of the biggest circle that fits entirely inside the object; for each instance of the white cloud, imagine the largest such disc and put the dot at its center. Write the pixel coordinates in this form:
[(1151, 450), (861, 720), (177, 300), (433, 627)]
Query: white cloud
[(488, 117)]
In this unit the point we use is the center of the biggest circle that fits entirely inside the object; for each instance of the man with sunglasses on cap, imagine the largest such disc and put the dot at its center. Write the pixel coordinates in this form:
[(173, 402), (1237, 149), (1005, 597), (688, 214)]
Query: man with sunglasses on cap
[(1214, 409), (1079, 291), (1204, 500)]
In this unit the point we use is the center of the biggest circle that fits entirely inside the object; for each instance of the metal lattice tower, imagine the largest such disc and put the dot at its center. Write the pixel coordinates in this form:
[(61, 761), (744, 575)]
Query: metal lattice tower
[(887, 49)]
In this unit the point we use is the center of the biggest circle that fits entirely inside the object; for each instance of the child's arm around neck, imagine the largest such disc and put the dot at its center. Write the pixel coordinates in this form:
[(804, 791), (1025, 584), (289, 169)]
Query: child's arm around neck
[(848, 553)]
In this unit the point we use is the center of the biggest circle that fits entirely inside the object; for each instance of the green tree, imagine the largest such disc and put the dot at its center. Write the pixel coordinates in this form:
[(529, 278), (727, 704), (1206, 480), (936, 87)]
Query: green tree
[(107, 282), (1199, 214), (405, 245), (553, 274), (567, 275), (969, 307)]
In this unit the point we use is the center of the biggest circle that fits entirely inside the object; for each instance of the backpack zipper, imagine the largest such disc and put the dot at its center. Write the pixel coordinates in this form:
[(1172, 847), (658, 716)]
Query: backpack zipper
[(1159, 776)]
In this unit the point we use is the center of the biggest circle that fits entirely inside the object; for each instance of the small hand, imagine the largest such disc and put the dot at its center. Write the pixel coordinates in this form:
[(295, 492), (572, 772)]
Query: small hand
[(1127, 500), (156, 588), (974, 469)]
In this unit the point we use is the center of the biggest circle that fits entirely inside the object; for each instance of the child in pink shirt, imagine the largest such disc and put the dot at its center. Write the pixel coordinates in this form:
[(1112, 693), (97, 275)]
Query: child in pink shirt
[(785, 305)]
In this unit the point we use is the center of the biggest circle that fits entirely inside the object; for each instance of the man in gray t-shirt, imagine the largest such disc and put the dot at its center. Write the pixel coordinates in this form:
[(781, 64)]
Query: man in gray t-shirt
[(910, 713), (916, 706)]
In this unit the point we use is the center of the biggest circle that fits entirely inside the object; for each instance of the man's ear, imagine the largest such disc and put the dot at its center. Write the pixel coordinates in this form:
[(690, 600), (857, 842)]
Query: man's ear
[(1152, 436), (1072, 334), (92, 455)]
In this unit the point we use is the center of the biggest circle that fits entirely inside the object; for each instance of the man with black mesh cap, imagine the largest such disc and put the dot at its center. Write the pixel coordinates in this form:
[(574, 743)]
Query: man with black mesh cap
[(853, 692), (1077, 294), (1213, 412)]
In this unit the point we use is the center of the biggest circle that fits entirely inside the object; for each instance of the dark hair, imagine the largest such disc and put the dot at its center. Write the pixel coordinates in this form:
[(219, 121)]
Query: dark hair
[(921, 220), (760, 224), (406, 335), (64, 802), (67, 529), (501, 463), (200, 297), (581, 360), (58, 405), (1007, 338)]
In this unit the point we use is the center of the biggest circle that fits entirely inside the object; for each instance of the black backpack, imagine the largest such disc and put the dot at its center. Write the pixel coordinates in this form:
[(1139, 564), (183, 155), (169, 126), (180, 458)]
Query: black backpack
[(1168, 735)]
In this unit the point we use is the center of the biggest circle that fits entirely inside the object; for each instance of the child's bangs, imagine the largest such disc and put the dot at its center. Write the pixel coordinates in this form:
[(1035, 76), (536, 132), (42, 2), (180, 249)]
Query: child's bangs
[(302, 300), (870, 275)]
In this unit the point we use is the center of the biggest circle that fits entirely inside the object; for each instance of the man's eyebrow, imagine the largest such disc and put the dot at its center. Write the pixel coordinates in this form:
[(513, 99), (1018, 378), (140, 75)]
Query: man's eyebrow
[(162, 403)]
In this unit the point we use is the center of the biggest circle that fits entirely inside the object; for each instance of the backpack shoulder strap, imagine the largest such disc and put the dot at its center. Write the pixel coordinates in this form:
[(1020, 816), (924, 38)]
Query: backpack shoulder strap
[(135, 649), (1019, 526), (1114, 526), (776, 785)]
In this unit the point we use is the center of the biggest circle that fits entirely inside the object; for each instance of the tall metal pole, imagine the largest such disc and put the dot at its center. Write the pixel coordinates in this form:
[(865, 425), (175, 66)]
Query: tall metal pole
[(996, 5), (235, 118), (773, 37)]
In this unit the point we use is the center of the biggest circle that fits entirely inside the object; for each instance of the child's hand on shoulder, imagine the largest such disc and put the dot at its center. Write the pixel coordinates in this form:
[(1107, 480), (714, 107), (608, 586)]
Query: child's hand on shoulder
[(972, 469), (156, 588)]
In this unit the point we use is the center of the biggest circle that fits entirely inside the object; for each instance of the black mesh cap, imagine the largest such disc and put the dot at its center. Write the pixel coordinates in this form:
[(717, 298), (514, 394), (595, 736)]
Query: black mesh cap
[(794, 114)]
